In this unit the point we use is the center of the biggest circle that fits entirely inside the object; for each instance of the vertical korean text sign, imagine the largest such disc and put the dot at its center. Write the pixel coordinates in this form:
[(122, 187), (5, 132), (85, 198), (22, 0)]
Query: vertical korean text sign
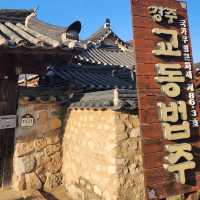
[(166, 97)]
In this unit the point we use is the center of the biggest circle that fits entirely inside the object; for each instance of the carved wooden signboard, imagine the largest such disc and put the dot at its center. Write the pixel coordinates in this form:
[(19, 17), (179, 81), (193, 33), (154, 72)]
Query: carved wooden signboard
[(166, 96)]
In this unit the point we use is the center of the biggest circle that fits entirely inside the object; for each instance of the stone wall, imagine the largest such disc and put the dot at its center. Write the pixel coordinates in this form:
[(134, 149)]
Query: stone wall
[(102, 156), (38, 150)]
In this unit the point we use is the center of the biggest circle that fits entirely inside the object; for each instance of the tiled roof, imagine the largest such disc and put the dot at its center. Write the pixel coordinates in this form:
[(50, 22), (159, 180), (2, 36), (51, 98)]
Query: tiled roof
[(21, 29), (108, 56), (90, 78), (104, 32), (13, 15), (116, 99), (17, 29), (91, 86), (106, 48)]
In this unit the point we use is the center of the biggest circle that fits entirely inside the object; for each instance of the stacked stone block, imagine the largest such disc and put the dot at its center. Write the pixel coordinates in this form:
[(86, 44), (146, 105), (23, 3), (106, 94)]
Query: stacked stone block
[(102, 156), (38, 149)]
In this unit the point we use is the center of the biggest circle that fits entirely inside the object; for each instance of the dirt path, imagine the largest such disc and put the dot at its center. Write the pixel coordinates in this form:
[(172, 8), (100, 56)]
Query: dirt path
[(56, 194), (9, 195)]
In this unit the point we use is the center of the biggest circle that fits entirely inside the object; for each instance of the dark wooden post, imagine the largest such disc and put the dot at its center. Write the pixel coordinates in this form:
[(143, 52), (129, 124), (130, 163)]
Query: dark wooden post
[(8, 105)]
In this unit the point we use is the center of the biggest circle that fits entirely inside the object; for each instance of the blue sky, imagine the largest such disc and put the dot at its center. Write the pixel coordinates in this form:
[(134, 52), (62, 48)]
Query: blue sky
[(92, 14)]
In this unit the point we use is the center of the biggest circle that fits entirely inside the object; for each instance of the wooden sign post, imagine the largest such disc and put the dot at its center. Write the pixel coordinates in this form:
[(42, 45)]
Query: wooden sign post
[(166, 96)]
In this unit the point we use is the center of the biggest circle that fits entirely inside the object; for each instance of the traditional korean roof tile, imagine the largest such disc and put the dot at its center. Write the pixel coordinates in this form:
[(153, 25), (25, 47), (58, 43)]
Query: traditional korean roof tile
[(90, 78), (13, 15), (106, 48), (116, 99), (21, 28), (104, 32), (108, 56), (92, 87)]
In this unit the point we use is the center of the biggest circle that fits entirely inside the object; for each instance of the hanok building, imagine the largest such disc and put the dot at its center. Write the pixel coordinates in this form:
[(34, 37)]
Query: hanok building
[(27, 45), (78, 125), (106, 63)]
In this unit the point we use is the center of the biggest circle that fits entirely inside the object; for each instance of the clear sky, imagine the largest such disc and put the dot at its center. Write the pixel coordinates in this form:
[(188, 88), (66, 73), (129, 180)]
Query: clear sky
[(92, 14)]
